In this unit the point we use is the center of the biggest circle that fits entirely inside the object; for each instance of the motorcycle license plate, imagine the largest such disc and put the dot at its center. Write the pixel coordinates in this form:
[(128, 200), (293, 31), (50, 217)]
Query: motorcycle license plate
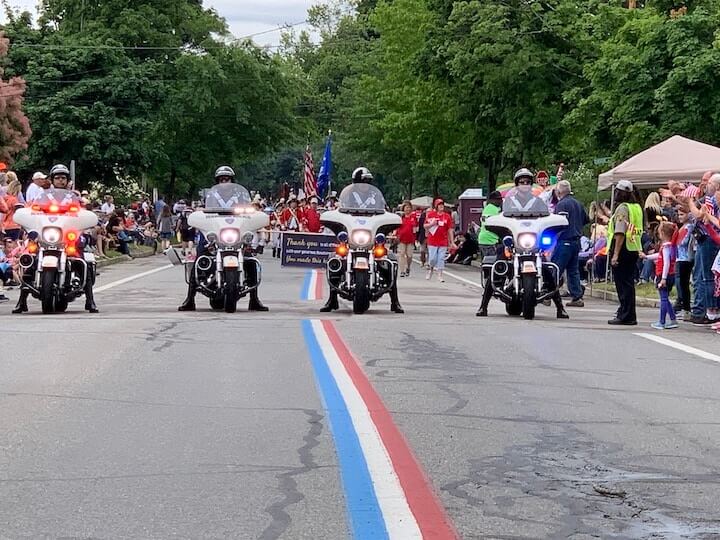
[(528, 267), (231, 262), (50, 261), (361, 264)]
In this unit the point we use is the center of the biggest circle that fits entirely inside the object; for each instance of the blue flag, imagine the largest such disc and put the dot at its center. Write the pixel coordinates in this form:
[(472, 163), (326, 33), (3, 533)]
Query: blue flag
[(323, 179)]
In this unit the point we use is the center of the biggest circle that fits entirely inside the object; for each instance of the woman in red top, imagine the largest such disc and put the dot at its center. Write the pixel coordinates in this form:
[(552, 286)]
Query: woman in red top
[(439, 229), (406, 235)]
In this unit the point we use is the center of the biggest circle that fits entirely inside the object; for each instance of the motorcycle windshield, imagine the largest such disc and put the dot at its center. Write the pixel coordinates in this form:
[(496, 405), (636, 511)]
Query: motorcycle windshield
[(517, 205), (362, 199), (225, 197), (60, 197)]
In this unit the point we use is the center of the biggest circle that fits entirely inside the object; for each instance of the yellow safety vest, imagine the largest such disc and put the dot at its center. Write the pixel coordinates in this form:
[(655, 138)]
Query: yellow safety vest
[(633, 236)]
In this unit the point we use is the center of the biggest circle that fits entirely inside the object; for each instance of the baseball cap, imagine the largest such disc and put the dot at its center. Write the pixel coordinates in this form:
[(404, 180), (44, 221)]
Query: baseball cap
[(39, 176), (624, 185)]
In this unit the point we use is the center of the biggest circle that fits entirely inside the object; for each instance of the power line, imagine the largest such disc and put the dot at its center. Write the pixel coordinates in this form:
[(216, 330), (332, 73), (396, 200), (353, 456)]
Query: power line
[(181, 48)]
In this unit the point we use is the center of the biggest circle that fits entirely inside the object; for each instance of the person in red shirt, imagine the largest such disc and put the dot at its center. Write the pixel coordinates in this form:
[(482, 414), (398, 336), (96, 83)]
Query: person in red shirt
[(439, 230), (406, 235), (311, 217), (292, 217)]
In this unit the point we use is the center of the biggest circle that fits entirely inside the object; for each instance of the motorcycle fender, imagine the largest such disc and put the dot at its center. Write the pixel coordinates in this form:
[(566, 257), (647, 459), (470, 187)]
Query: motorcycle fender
[(230, 261), (528, 267), (50, 261), (361, 263)]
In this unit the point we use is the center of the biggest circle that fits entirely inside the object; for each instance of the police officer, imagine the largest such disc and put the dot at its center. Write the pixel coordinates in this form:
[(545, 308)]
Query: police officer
[(362, 194), (224, 174), (624, 234)]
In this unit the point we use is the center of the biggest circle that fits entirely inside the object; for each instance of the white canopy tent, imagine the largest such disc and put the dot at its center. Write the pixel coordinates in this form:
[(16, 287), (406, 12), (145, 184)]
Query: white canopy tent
[(677, 158)]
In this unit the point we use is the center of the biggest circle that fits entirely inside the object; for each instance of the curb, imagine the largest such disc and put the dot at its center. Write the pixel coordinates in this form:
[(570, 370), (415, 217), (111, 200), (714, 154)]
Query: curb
[(610, 296), (122, 258)]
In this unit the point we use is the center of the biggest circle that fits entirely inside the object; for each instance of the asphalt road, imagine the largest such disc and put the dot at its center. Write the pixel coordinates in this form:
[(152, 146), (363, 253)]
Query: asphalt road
[(142, 422)]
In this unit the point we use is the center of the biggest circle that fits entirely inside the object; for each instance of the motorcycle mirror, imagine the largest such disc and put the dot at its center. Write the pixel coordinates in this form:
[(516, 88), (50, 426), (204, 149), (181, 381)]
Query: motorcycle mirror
[(508, 241)]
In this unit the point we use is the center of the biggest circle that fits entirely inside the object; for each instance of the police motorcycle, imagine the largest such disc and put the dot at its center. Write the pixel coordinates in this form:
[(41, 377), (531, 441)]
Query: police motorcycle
[(225, 270), (361, 271), (521, 276), (56, 269)]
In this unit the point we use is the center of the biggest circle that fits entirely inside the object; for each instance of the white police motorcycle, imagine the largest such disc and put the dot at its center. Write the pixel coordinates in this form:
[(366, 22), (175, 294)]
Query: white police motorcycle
[(56, 269), (223, 271), (523, 277), (360, 271)]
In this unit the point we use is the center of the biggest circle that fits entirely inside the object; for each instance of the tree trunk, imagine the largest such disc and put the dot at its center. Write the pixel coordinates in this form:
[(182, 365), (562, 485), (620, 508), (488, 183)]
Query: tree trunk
[(436, 187), (410, 186), (173, 180), (492, 173)]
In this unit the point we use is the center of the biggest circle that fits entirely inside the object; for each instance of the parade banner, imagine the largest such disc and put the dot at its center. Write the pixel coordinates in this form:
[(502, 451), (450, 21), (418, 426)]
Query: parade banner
[(306, 249)]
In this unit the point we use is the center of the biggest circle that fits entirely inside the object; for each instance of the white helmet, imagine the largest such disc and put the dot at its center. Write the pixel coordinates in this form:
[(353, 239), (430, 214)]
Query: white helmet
[(362, 175), (224, 171)]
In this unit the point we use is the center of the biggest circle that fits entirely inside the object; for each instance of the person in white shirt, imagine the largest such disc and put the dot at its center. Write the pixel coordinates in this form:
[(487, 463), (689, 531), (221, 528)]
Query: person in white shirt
[(108, 206), (40, 183)]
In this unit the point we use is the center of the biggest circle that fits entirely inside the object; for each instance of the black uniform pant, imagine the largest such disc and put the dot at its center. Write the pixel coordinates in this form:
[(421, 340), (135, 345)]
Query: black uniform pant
[(624, 276)]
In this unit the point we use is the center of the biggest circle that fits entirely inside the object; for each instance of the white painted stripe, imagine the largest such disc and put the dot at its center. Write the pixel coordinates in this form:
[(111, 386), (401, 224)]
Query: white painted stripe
[(680, 347), (313, 284), (132, 278), (399, 520), (455, 276)]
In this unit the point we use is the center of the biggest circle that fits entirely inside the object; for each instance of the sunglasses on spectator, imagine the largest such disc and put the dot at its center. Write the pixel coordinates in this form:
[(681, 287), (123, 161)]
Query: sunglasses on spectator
[(525, 181)]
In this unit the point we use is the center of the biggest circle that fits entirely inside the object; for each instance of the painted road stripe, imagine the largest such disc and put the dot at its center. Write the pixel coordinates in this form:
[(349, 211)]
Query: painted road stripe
[(312, 285), (403, 497), (455, 276), (680, 346), (119, 282)]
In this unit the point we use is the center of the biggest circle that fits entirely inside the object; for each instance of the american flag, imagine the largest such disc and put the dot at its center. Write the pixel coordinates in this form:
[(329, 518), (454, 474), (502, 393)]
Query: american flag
[(310, 186)]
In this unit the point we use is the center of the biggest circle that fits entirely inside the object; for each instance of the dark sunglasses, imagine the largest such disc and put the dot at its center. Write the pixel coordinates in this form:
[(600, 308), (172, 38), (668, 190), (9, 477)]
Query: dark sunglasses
[(525, 181)]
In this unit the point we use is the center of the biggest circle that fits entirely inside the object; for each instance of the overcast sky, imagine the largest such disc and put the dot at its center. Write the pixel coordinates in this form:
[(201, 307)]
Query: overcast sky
[(244, 17)]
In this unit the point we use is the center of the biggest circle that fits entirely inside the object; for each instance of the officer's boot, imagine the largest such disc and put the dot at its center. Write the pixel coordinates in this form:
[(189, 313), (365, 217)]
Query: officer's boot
[(251, 280), (557, 300), (395, 306), (486, 297), (22, 306), (189, 303), (89, 296), (331, 304)]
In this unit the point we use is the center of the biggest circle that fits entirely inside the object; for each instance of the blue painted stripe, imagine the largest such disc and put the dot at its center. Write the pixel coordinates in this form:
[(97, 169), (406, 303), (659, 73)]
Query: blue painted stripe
[(305, 293), (366, 520)]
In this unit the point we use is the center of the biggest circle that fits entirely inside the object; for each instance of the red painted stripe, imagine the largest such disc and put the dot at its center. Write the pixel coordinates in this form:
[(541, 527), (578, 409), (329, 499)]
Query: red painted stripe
[(319, 284), (424, 504)]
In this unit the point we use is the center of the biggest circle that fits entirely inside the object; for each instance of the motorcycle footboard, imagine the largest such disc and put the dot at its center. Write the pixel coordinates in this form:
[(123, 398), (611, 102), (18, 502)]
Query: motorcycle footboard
[(555, 270)]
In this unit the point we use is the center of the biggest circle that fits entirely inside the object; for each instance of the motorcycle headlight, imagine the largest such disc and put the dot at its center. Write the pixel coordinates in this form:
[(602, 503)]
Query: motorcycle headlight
[(52, 235), (527, 240), (361, 237), (229, 236)]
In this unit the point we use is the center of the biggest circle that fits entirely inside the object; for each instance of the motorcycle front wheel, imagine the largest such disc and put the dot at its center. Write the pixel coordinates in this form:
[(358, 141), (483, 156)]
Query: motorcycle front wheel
[(232, 281), (528, 296), (361, 298), (47, 290)]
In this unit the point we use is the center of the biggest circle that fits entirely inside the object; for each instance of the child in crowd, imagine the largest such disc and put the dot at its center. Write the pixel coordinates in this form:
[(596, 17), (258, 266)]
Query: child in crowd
[(665, 275), (684, 262)]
